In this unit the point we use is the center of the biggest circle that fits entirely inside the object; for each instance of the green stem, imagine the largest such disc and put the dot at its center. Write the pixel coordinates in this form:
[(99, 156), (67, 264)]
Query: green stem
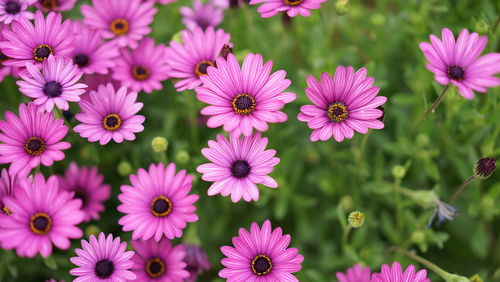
[(345, 237), (462, 187), (399, 205), (497, 23), (436, 103), (193, 116)]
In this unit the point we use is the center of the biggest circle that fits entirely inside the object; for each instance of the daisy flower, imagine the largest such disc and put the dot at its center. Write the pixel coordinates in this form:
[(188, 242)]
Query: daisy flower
[(157, 204), (261, 255), (8, 184), (42, 215), (103, 259), (196, 260), (31, 139), (355, 274), (87, 185), (244, 98), (344, 103), (55, 5), (189, 61), (126, 22), (396, 274), (458, 62), (56, 84), (4, 69), (237, 166), (91, 54), (28, 43), (201, 15), (291, 7), (11, 10), (144, 68), (159, 261), (109, 114)]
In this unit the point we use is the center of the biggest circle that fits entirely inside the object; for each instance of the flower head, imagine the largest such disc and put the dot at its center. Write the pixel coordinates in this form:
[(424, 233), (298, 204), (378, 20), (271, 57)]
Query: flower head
[(8, 184), (42, 215), (55, 5), (355, 274), (444, 212), (103, 259), (356, 219), (485, 167), (458, 62), (110, 114), (201, 15), (11, 10), (261, 255), (396, 274), (196, 260), (291, 7), (158, 203), (4, 69), (344, 103)]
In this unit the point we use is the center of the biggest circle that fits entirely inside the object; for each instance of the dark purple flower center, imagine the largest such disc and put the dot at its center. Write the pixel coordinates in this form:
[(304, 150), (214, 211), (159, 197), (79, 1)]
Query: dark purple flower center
[(161, 206), (337, 112), (485, 167), (3, 57), (82, 195), (243, 104), (34, 146), (240, 169), (104, 268), (40, 223), (81, 60), (52, 89), (42, 52), (455, 72), (112, 122), (201, 67), (261, 265), (49, 4), (140, 72), (12, 7), (155, 268), (293, 2)]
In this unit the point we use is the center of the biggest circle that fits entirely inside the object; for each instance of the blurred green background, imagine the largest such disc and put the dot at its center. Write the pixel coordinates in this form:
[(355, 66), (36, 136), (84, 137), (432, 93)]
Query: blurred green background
[(315, 178)]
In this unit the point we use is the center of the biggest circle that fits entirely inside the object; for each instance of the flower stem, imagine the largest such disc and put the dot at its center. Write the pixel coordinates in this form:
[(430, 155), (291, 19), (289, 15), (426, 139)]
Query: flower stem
[(494, 29), (345, 237), (431, 266), (462, 187), (192, 120), (399, 205), (436, 103)]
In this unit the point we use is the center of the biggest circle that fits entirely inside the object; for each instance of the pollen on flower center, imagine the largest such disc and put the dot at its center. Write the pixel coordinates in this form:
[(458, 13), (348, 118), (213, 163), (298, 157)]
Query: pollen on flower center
[(155, 268), (52, 89), (6, 210), (455, 72), (119, 26), (12, 7), (34, 146), (81, 60), (240, 169), (140, 72), (112, 122), (42, 52), (201, 67), (49, 4), (293, 2), (104, 268), (261, 265), (161, 206), (243, 104), (40, 223), (337, 112)]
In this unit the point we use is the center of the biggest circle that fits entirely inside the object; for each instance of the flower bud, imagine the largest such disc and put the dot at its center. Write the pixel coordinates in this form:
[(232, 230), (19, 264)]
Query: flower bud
[(92, 230), (398, 172), (476, 278), (418, 237), (181, 157), (485, 167), (346, 203), (341, 7), (159, 144), (356, 219), (124, 168)]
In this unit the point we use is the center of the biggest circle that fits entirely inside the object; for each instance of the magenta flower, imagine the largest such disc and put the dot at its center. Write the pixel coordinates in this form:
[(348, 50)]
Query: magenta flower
[(244, 98), (28, 43), (159, 261), (144, 68), (458, 62), (57, 83), (126, 22), (190, 60), (201, 15), (8, 184), (91, 54), (291, 7), (103, 259), (94, 80), (163, 2), (196, 260), (395, 274), (11, 10), (4, 69), (31, 139), (42, 215), (87, 185), (344, 103), (157, 204), (261, 255), (55, 5), (237, 166), (110, 114), (355, 274)]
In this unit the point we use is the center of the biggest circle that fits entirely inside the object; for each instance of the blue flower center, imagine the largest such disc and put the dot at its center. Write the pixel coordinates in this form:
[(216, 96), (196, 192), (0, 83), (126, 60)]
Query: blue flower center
[(12, 7), (455, 72), (81, 60), (104, 268), (240, 169), (52, 89)]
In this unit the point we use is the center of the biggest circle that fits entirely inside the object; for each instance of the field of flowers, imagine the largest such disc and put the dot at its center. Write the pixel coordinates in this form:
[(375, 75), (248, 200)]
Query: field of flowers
[(270, 140)]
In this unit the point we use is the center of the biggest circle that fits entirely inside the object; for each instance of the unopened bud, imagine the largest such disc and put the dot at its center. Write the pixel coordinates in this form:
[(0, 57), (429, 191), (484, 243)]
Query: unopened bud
[(182, 157), (356, 219), (346, 203), (124, 168), (159, 144), (341, 6), (92, 230), (485, 167), (418, 237), (398, 172), (476, 278)]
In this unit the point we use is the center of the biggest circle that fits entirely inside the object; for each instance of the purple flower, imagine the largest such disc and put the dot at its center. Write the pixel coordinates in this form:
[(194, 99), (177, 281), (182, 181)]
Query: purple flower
[(55, 5), (201, 15), (261, 255), (355, 274), (94, 80), (458, 62), (103, 259), (291, 7), (4, 69), (196, 260), (42, 215), (11, 10), (31, 139), (8, 184), (396, 274), (344, 103), (444, 212)]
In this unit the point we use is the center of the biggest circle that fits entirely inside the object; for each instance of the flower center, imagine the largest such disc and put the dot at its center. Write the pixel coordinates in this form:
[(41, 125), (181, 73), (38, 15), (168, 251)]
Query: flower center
[(112, 122), (6, 210), (240, 169), (243, 104), (42, 52), (455, 72), (49, 4), (201, 67), (119, 26), (34, 146), (52, 89), (81, 60), (155, 268), (293, 2), (82, 195), (337, 112), (140, 72), (104, 268), (161, 206), (12, 7), (40, 223), (3, 57), (261, 265)]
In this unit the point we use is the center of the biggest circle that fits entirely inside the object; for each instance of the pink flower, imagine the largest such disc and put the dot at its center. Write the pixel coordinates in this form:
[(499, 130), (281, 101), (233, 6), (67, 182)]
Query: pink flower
[(344, 103), (55, 5), (42, 215), (4, 69), (197, 261), (246, 97), (8, 184), (458, 62), (261, 255), (355, 274), (291, 7), (201, 15), (11, 10), (396, 274), (94, 80)]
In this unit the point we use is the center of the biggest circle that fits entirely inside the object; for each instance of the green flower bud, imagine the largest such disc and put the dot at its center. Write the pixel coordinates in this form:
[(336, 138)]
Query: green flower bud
[(159, 144), (177, 37), (346, 203), (423, 140), (92, 230), (481, 26), (182, 157), (341, 7), (124, 168), (398, 172), (356, 219), (418, 237), (476, 278)]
